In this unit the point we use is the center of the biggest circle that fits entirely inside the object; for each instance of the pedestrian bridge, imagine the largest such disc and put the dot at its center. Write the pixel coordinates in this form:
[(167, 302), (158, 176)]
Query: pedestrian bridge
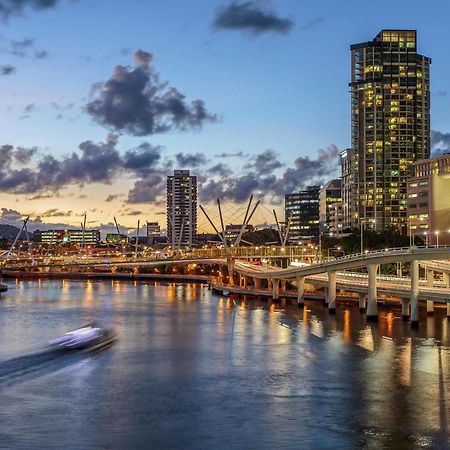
[(370, 261)]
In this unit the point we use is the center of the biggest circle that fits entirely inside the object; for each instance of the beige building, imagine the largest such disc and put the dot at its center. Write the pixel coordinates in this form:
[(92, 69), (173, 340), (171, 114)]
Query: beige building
[(429, 200)]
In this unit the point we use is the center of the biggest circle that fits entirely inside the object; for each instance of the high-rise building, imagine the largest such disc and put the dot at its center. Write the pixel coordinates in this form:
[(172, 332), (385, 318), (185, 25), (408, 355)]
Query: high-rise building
[(303, 210), (329, 194), (181, 208), (390, 120), (429, 201)]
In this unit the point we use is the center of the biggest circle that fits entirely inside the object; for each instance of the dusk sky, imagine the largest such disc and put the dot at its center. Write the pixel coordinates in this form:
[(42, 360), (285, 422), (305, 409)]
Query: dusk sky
[(102, 99)]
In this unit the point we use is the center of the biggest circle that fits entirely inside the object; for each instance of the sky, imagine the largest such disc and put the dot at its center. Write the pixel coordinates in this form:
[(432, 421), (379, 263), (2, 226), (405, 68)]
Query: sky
[(101, 100)]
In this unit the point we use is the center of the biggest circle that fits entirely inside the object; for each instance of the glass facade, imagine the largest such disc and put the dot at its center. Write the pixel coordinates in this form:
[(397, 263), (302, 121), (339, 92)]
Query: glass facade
[(303, 210), (390, 101)]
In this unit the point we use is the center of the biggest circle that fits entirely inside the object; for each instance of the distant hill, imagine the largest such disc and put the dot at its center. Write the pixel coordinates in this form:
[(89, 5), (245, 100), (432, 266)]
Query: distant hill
[(10, 232)]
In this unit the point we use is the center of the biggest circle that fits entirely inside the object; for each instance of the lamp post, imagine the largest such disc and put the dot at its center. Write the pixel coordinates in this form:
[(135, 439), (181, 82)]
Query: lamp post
[(426, 238), (437, 238)]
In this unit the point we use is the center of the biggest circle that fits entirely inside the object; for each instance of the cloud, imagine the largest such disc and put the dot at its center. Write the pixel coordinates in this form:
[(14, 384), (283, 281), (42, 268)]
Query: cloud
[(135, 101), (112, 197), (265, 163), (261, 181), (239, 154), (441, 93), (440, 143), (10, 8), (191, 160), (54, 212), (24, 48), (221, 170), (312, 24), (251, 17), (7, 69), (10, 214), (147, 189)]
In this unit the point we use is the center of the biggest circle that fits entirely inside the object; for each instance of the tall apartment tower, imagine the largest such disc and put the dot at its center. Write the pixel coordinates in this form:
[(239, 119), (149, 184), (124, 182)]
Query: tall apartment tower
[(390, 120), (181, 208)]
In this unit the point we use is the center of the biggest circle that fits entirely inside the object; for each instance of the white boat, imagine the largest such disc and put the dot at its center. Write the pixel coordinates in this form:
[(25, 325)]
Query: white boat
[(89, 337)]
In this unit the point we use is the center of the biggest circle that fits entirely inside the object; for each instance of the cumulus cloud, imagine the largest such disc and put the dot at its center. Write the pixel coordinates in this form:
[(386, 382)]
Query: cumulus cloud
[(191, 160), (10, 8), (7, 69), (261, 179), (147, 189), (252, 17), (265, 163), (440, 143), (10, 214), (135, 101)]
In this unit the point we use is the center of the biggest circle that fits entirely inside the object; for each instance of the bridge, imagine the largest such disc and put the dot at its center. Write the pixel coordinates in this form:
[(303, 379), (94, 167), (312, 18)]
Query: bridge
[(330, 273)]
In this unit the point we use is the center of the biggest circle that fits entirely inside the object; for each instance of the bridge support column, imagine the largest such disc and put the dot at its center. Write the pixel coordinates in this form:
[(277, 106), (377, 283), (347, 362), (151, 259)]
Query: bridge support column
[(283, 285), (446, 279), (275, 289), (362, 301), (414, 294), (405, 309), (300, 291), (331, 292), (372, 306), (430, 303), (257, 283), (230, 265)]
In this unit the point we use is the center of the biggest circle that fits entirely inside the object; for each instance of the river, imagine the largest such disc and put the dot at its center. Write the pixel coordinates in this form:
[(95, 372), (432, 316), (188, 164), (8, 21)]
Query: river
[(195, 370)]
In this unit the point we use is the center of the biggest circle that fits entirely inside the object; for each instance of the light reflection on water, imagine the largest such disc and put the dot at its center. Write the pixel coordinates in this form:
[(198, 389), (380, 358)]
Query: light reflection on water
[(196, 370)]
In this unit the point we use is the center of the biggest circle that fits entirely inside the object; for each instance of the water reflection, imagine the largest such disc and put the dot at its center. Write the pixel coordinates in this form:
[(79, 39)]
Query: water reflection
[(195, 370)]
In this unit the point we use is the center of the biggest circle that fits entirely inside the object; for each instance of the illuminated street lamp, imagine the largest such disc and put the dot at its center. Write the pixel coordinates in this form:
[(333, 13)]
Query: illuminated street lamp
[(437, 238)]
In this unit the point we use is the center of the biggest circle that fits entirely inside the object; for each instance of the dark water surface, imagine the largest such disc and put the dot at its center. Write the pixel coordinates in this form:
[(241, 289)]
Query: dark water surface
[(194, 370)]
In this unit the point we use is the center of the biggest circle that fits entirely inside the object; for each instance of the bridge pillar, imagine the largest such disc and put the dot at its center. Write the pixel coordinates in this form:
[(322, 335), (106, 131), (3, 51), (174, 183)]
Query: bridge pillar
[(269, 283), (230, 265), (300, 291), (414, 293), (405, 309), (275, 289), (331, 292), (257, 283), (283, 285), (362, 301), (446, 279), (372, 306), (430, 303)]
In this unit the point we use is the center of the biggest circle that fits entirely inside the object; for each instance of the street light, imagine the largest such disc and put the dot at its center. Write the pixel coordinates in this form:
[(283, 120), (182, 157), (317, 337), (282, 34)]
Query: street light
[(437, 238), (426, 238)]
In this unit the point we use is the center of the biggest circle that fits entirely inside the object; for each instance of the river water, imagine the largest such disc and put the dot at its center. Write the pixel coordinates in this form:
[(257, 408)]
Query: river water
[(195, 370)]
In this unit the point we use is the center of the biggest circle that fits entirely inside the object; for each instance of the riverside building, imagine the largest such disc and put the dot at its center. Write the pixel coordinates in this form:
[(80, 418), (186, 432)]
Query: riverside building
[(429, 201), (181, 208), (303, 210), (390, 122)]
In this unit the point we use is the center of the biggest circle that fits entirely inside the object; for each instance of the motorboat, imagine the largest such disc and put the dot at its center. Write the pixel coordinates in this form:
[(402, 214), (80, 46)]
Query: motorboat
[(90, 337)]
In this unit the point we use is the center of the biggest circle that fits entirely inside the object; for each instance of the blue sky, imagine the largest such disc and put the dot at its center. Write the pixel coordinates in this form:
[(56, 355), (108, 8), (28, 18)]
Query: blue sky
[(287, 92)]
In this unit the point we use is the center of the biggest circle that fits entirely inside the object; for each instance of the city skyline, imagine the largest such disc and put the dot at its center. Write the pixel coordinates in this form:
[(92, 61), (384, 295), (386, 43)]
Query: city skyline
[(64, 136)]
